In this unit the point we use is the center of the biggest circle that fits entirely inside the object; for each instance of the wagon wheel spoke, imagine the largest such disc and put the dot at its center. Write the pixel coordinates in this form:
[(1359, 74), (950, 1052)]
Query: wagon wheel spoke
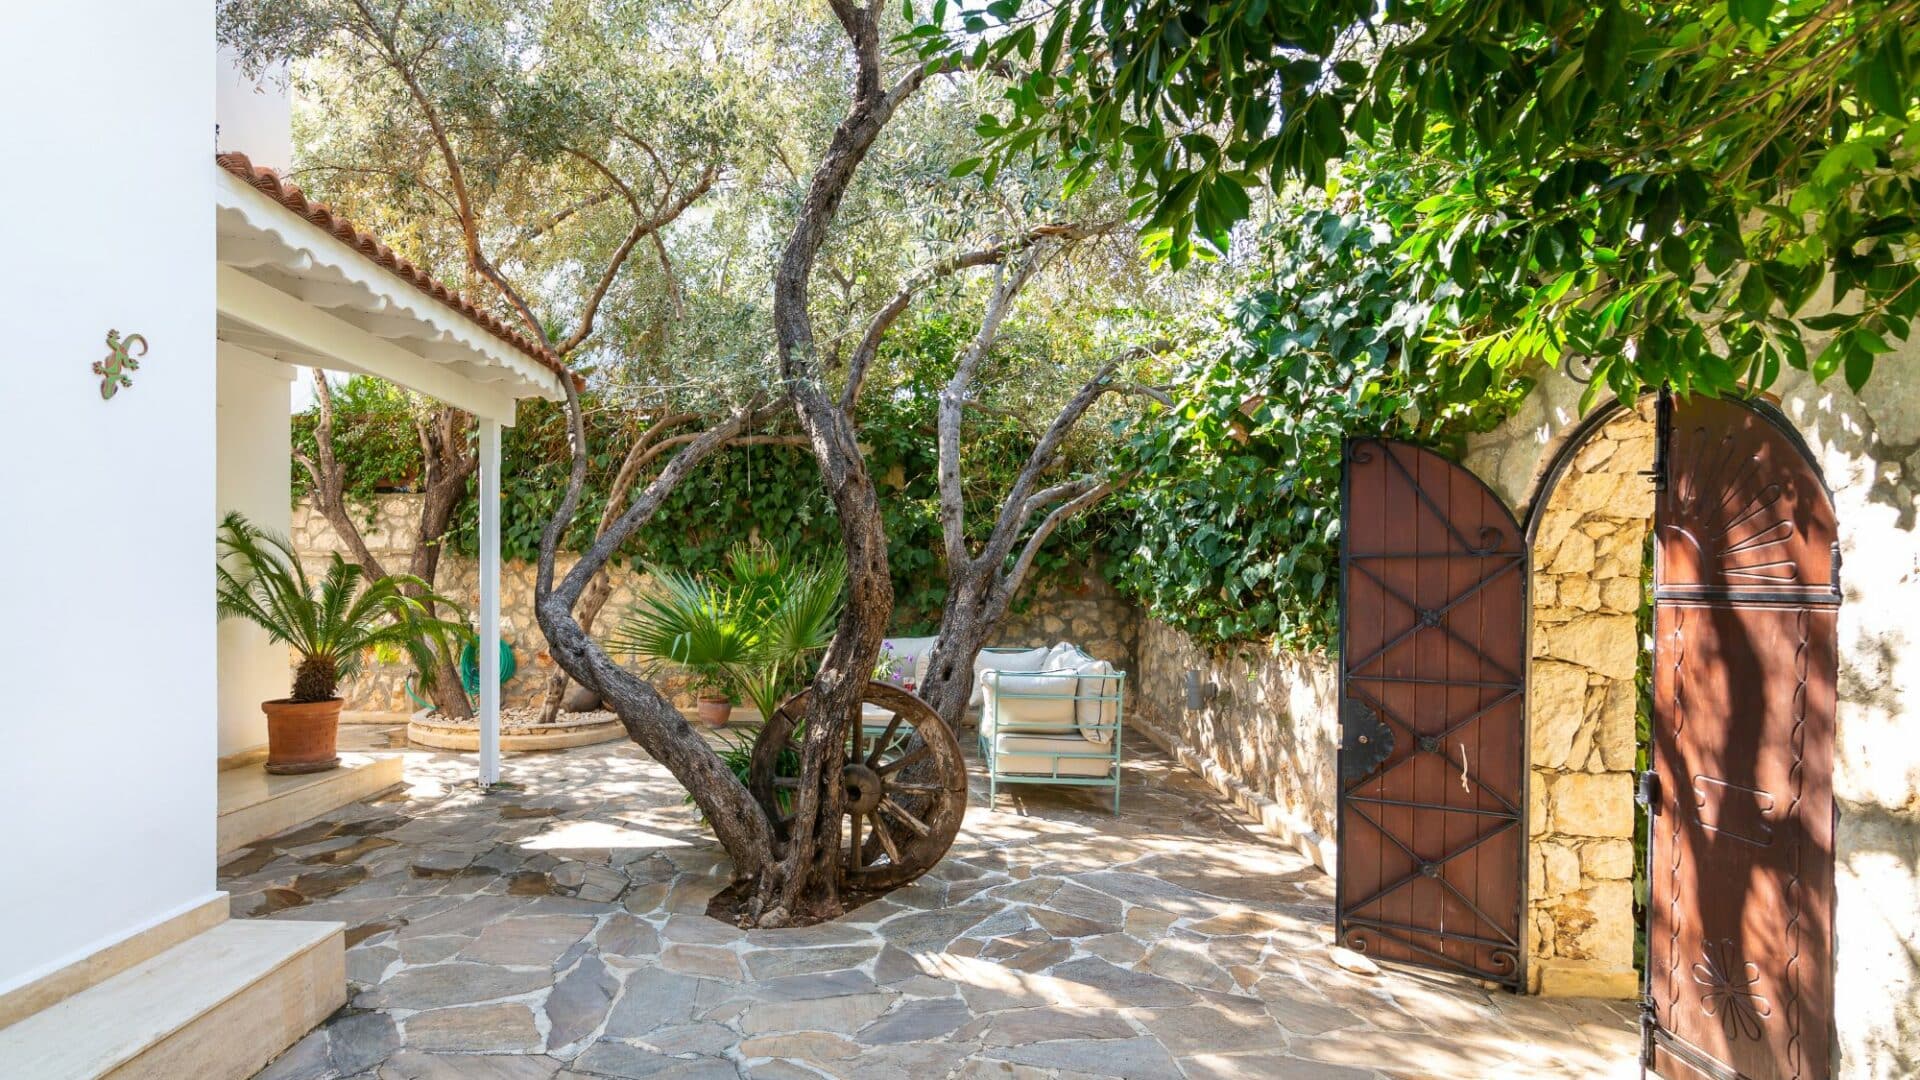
[(859, 730), (913, 788), (854, 852), (900, 812), (880, 745), (898, 829), (905, 760), (886, 841)]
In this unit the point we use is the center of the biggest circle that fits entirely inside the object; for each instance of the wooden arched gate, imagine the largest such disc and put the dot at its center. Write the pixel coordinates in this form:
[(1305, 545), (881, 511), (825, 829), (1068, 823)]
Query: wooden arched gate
[(1432, 769), (1433, 664), (1746, 598)]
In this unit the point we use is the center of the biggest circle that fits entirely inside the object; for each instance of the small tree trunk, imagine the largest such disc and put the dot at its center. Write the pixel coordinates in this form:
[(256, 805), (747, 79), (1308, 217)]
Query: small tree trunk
[(448, 468), (644, 449), (445, 469), (650, 719), (965, 627), (595, 598)]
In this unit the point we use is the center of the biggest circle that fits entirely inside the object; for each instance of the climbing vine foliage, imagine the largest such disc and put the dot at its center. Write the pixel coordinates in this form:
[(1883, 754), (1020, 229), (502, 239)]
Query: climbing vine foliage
[(1234, 525)]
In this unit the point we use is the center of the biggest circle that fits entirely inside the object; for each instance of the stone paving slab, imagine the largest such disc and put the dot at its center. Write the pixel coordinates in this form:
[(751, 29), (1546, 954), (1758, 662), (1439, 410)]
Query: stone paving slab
[(554, 929)]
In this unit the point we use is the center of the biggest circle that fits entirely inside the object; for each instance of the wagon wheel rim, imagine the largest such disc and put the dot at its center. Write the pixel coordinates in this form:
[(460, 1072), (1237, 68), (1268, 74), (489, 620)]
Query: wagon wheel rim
[(904, 789)]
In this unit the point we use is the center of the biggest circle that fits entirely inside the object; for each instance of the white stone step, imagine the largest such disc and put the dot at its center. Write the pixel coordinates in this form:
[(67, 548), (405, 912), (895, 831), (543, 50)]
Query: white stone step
[(255, 804), (216, 1006)]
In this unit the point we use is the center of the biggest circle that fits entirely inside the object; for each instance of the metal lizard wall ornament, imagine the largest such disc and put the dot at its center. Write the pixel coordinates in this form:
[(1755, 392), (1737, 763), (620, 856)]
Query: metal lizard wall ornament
[(120, 360)]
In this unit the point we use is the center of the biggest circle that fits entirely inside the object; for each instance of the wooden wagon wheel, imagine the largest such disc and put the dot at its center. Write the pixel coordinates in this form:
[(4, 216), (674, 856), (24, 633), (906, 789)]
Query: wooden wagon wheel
[(906, 787)]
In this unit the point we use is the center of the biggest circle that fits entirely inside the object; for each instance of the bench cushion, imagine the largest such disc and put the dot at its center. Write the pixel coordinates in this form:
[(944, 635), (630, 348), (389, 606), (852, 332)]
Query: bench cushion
[(1038, 703), (1098, 703), (1033, 755), (1030, 660)]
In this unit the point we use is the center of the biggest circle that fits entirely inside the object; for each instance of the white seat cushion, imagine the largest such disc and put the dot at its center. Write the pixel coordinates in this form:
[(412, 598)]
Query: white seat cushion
[(1065, 657), (1030, 660), (1097, 704), (1040, 703), (1034, 755)]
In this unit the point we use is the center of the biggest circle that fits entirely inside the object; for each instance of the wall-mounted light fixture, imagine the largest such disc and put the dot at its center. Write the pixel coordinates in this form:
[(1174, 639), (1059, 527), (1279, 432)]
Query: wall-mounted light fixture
[(1199, 694)]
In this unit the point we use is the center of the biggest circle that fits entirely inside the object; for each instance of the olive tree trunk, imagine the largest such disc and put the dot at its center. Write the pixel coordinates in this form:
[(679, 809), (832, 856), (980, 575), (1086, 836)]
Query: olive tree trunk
[(981, 584), (644, 449), (447, 465), (650, 718), (805, 883)]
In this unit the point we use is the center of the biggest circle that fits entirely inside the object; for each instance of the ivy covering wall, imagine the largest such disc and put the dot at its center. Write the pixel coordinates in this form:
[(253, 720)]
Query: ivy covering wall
[(770, 491), (1230, 529)]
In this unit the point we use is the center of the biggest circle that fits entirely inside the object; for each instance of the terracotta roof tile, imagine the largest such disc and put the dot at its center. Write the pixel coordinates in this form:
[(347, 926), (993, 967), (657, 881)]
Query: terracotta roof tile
[(285, 192)]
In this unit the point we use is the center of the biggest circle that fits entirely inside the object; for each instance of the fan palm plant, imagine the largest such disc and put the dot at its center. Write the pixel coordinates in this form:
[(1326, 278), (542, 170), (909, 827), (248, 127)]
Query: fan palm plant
[(332, 623), (749, 629)]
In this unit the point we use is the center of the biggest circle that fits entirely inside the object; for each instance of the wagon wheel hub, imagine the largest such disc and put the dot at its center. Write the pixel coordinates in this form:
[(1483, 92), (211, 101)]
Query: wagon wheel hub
[(864, 787), (903, 782)]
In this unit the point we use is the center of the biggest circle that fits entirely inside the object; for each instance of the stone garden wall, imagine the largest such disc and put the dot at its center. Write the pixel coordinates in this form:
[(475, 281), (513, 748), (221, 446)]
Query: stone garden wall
[(1269, 736), (1086, 611)]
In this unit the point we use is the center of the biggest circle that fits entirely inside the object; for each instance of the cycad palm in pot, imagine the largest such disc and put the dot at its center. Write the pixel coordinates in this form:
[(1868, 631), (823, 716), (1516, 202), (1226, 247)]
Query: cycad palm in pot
[(331, 623)]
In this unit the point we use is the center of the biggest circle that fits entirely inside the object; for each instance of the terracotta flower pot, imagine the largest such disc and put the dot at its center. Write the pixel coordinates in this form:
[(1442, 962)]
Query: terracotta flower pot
[(300, 735), (714, 712)]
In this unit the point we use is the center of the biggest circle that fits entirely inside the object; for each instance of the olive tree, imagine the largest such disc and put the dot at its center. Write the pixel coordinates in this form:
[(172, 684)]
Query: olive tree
[(542, 182)]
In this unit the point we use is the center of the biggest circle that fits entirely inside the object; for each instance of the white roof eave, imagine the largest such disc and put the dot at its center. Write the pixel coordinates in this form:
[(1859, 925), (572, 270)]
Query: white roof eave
[(293, 283)]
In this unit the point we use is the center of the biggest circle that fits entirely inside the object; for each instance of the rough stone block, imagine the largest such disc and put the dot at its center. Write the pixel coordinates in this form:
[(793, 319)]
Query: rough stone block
[(1616, 737), (1622, 594), (1580, 593), (1608, 644), (1607, 860), (1558, 700), (1588, 979), (1592, 804), (1575, 555), (1608, 936), (1562, 868)]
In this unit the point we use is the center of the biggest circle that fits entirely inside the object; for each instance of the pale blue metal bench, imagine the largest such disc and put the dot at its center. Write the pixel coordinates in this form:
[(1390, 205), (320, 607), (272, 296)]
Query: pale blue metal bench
[(1023, 741)]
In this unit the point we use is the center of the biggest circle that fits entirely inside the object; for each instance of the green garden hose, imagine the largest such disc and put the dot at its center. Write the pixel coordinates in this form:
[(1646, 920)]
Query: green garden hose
[(470, 672)]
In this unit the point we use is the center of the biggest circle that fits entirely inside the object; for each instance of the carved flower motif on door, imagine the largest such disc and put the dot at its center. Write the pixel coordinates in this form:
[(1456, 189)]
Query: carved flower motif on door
[(1731, 995)]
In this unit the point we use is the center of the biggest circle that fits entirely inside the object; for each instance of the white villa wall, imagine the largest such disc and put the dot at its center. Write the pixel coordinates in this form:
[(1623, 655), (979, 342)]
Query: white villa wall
[(1868, 447), (106, 780), (253, 476)]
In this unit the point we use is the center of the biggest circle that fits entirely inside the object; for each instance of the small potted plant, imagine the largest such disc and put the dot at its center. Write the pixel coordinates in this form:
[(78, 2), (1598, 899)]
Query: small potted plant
[(331, 623), (715, 706)]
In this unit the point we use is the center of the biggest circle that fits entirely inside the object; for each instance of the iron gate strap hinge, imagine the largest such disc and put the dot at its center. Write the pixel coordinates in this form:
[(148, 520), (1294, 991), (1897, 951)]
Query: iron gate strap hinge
[(1649, 1018), (1662, 437), (1648, 792)]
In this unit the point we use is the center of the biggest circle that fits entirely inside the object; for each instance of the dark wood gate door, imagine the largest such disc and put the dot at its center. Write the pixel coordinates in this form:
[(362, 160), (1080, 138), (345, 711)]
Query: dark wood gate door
[(1747, 591), (1432, 756)]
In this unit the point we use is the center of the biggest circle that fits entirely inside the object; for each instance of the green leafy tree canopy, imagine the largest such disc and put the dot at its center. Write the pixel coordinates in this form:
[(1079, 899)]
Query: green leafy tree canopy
[(1692, 192)]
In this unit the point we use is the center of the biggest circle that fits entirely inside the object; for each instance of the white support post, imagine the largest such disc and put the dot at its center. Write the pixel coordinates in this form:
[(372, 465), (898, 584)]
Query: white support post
[(488, 646)]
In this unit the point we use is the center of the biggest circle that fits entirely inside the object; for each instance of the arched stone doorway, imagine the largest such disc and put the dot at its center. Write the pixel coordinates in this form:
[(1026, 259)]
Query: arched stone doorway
[(1588, 528)]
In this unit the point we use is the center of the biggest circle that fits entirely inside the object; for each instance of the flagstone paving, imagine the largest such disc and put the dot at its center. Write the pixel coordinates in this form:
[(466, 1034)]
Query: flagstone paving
[(554, 929)]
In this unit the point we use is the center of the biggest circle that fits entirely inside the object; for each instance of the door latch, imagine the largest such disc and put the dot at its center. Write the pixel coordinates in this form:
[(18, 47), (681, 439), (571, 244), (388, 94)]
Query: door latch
[(1647, 794)]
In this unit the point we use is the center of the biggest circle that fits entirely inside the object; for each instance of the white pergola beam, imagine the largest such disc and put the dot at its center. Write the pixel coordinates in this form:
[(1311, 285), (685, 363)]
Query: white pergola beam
[(318, 333)]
